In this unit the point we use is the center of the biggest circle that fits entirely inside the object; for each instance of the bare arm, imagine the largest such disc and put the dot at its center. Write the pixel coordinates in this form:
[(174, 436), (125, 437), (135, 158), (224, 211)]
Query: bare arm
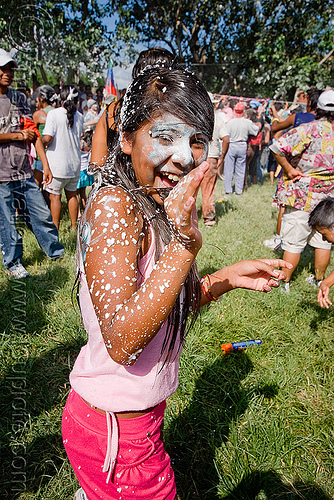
[(23, 135), (225, 146), (39, 117), (281, 125), (99, 152), (47, 139), (129, 318), (256, 274), (41, 153)]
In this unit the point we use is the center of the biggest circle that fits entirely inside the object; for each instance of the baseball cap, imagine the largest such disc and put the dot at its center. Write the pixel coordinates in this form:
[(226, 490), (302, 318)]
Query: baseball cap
[(5, 58), (326, 100), (90, 102), (239, 108), (254, 103)]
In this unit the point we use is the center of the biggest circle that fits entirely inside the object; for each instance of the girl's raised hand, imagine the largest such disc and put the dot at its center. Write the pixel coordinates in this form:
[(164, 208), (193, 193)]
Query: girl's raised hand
[(181, 210)]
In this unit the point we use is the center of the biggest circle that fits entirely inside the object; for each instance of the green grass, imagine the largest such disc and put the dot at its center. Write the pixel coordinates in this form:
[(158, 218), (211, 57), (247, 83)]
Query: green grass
[(253, 425)]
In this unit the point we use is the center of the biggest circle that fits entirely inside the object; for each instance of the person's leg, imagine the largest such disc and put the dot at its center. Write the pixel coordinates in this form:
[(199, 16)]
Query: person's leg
[(229, 169), (295, 232), (38, 176), (40, 219), (208, 192), (83, 197), (293, 258), (259, 167), (10, 239), (321, 261), (73, 207), (249, 157), (271, 175), (240, 167), (55, 207), (38, 172)]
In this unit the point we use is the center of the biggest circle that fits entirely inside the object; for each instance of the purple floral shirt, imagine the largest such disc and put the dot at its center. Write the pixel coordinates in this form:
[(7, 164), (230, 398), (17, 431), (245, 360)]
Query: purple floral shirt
[(310, 148)]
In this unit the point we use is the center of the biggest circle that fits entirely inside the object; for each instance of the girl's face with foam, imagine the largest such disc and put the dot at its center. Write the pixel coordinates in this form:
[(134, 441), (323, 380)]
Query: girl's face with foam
[(164, 150)]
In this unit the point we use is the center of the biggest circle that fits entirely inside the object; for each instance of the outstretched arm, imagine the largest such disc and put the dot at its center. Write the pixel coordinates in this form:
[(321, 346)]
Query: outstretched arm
[(256, 274)]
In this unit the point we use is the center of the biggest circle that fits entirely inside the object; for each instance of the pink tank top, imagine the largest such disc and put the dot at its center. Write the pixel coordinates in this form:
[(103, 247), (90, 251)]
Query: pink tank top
[(113, 387)]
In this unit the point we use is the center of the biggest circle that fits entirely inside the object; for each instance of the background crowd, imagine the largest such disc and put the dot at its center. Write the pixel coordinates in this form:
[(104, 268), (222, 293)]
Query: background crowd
[(249, 139), (49, 151)]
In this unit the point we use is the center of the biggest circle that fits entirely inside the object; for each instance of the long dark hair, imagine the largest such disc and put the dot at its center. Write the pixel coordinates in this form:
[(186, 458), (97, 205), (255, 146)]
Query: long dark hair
[(159, 90), (69, 98)]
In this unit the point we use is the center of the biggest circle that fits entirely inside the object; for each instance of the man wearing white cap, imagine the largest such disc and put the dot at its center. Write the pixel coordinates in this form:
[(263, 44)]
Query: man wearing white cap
[(17, 184), (306, 154)]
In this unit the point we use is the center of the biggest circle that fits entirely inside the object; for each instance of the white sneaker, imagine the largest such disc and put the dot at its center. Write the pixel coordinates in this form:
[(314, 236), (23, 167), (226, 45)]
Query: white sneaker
[(311, 280), (273, 244), (80, 495), (18, 271)]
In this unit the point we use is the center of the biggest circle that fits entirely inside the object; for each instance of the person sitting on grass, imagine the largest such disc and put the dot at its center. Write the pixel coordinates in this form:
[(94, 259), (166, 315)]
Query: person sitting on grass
[(321, 219)]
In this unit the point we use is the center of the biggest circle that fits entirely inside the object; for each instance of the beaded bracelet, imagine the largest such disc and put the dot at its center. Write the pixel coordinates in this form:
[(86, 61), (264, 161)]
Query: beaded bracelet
[(205, 282)]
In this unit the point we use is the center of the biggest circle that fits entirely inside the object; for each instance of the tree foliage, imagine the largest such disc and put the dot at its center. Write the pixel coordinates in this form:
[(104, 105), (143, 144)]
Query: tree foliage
[(54, 38), (245, 46)]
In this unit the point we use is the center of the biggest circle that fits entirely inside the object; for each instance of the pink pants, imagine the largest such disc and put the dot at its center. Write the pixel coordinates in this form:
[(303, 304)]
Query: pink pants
[(143, 469)]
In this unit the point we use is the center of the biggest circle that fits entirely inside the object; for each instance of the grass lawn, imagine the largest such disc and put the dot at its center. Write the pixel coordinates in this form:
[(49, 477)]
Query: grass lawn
[(251, 425)]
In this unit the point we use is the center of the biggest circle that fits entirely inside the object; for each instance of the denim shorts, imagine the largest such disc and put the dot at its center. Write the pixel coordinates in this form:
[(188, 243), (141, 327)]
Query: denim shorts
[(38, 165)]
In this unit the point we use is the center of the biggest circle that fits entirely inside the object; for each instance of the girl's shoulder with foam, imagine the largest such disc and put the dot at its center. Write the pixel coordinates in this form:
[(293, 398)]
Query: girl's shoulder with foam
[(113, 202)]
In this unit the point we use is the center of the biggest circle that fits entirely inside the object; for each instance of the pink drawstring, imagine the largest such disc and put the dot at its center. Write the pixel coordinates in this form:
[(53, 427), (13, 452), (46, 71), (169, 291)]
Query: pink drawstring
[(112, 447)]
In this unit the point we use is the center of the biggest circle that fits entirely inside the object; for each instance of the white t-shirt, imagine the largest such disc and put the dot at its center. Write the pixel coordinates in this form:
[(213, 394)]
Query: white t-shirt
[(239, 129), (64, 154), (219, 131)]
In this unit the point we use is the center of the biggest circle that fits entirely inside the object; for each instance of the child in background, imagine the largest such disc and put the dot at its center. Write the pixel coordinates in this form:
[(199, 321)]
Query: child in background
[(85, 180), (137, 246), (322, 219), (62, 132), (45, 97)]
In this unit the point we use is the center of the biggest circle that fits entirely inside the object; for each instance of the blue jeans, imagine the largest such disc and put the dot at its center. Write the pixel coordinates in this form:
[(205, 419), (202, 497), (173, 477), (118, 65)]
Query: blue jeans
[(25, 197), (235, 163)]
